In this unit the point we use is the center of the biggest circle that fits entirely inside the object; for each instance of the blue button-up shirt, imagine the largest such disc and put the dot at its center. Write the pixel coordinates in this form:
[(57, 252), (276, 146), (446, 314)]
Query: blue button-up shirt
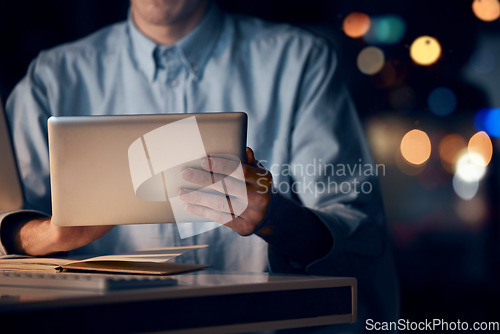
[(302, 126)]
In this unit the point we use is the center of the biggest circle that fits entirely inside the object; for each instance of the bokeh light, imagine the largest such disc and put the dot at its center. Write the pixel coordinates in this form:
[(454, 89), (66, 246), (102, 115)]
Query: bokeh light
[(356, 24), (486, 10), (387, 29), (470, 167), (416, 147), (482, 61), (442, 101), (465, 190), (370, 60), (384, 134), (488, 120), (407, 168), (425, 50), (450, 149), (481, 144)]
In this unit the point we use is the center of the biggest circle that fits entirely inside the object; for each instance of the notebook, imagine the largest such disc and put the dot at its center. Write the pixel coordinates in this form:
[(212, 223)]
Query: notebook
[(146, 262)]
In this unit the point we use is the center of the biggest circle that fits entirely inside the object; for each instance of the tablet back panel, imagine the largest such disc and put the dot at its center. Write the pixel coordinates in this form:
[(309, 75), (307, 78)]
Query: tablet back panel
[(90, 172)]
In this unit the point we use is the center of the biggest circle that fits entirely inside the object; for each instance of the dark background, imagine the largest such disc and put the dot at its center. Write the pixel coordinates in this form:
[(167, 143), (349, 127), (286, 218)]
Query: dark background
[(446, 248)]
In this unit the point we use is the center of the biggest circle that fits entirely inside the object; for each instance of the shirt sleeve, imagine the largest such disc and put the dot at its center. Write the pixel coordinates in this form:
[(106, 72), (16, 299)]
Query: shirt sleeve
[(331, 172), (9, 222), (27, 113), (28, 109), (287, 220)]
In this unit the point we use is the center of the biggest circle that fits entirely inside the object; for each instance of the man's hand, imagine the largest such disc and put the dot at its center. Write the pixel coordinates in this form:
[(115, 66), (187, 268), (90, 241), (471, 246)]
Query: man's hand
[(257, 183), (41, 237)]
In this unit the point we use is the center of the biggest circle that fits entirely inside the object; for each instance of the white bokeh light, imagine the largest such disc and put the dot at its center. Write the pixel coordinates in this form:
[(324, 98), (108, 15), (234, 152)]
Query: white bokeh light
[(470, 167), (464, 189), (371, 60)]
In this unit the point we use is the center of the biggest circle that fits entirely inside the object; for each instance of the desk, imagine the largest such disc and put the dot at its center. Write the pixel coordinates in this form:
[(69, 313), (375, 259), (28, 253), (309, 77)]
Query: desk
[(202, 302)]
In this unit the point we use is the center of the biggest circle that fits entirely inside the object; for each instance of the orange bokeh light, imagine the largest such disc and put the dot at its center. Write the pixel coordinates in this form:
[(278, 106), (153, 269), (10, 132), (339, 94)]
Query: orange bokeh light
[(480, 143), (486, 10), (450, 148), (416, 147), (356, 24)]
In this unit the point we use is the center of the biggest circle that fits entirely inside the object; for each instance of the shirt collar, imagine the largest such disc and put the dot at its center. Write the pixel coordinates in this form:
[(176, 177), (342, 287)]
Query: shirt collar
[(195, 47)]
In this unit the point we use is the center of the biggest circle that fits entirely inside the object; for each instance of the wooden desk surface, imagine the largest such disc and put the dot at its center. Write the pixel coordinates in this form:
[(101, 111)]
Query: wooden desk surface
[(202, 302)]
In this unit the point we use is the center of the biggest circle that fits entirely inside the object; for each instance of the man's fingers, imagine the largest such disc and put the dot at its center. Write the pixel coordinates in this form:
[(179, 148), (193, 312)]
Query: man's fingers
[(218, 182), (239, 224), (224, 166), (235, 169), (203, 211), (216, 202), (250, 156)]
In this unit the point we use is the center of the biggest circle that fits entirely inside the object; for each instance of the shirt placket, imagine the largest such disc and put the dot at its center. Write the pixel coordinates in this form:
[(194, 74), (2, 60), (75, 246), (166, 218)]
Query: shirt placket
[(172, 77)]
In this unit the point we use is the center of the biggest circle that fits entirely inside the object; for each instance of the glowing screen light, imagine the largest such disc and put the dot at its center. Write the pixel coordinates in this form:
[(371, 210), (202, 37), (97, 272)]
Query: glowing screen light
[(387, 29), (416, 147), (481, 144), (370, 60), (488, 120), (470, 167), (442, 101), (425, 50), (486, 10), (356, 24)]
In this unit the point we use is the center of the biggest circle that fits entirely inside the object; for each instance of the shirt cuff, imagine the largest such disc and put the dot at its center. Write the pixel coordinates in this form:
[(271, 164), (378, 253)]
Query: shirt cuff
[(327, 264), (294, 231), (9, 222)]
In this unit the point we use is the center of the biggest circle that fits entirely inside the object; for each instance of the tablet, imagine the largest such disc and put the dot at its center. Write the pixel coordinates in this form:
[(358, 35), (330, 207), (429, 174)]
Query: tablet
[(117, 170)]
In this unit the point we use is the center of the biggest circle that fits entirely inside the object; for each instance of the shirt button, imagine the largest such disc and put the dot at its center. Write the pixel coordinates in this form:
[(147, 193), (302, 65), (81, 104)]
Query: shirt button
[(196, 68), (169, 53), (173, 83)]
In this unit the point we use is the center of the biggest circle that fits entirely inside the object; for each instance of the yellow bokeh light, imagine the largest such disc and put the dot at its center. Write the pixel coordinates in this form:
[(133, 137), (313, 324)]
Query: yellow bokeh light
[(425, 50), (486, 10), (416, 147), (480, 143), (370, 60), (356, 24), (450, 149)]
